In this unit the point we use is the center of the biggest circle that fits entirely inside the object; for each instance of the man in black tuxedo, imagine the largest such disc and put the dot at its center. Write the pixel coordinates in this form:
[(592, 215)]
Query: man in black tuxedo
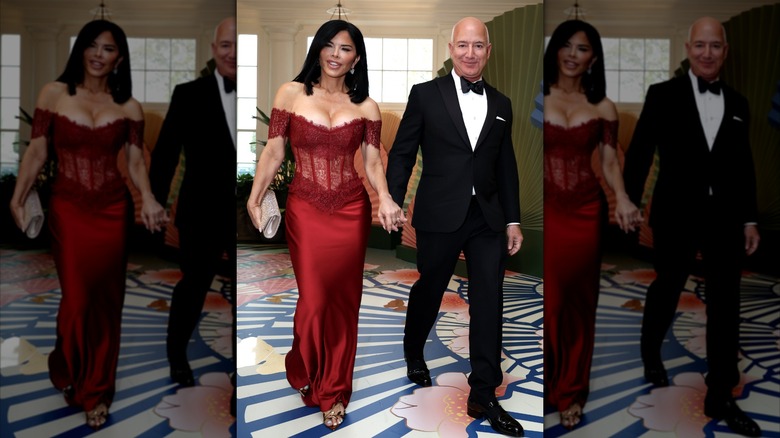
[(468, 199), (202, 120), (704, 200)]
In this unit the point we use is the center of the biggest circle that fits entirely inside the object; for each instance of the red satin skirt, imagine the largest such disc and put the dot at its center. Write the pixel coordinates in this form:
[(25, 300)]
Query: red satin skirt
[(328, 253), (89, 249), (572, 269)]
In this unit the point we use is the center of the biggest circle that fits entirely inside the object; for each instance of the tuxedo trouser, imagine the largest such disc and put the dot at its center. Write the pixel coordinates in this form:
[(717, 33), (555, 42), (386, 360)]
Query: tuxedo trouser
[(722, 251), (200, 253), (437, 254)]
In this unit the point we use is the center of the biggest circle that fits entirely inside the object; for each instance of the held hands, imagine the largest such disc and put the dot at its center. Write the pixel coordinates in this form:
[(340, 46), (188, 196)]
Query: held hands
[(514, 239), (751, 239), (153, 214), (391, 216), (628, 216)]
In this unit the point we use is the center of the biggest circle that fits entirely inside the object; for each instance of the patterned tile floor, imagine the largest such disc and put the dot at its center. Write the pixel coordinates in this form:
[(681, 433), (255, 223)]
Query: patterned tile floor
[(147, 403), (384, 402)]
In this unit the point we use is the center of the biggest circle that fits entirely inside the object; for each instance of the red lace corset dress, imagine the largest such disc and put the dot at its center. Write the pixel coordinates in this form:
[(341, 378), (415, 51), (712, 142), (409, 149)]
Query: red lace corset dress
[(569, 180), (87, 172), (325, 174)]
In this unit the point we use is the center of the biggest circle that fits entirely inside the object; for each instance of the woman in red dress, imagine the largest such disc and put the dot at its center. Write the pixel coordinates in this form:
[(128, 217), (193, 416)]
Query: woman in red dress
[(578, 118), (327, 115), (87, 116)]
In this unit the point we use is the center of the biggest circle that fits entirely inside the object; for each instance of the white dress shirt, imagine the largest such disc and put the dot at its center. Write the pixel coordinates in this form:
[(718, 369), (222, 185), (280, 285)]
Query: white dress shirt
[(711, 107), (228, 105)]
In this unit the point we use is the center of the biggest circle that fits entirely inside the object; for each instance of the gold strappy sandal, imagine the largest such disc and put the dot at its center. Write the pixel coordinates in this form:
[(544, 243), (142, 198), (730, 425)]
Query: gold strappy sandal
[(571, 417), (334, 417), (97, 417)]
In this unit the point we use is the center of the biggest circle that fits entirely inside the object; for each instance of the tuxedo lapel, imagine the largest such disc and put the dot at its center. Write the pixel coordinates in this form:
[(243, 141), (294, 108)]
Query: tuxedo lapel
[(447, 90), (728, 115), (490, 117)]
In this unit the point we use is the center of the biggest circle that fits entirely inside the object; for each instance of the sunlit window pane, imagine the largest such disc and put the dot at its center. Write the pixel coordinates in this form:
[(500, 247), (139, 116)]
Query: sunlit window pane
[(246, 152), (247, 82), (394, 89), (10, 49), (611, 48), (244, 111), (10, 81), (9, 109), (374, 53), (158, 86), (9, 151), (158, 54), (421, 54), (632, 86), (632, 54), (183, 54), (375, 85), (394, 56), (247, 52), (137, 48), (657, 54)]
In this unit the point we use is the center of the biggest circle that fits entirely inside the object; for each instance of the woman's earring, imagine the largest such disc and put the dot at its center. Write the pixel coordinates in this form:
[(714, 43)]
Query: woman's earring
[(352, 70), (588, 70), (116, 70)]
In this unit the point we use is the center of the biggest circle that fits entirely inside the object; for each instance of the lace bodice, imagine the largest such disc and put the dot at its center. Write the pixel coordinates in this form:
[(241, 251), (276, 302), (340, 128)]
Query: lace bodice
[(325, 172), (569, 180), (87, 172)]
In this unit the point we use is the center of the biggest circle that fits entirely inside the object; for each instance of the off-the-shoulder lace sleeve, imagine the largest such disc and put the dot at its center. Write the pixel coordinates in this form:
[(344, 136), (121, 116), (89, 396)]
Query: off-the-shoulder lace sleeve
[(41, 125), (135, 132), (609, 133), (279, 124), (373, 135)]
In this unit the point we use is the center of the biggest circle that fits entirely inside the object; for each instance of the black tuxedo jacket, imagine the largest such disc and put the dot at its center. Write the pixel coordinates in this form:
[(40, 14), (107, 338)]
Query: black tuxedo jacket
[(196, 122), (687, 168), (434, 123)]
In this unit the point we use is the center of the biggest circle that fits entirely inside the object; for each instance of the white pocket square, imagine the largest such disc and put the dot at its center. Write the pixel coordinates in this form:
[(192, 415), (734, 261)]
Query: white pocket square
[(500, 118)]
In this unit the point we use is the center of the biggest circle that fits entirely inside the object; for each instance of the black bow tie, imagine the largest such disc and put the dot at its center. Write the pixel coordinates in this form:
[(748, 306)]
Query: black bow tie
[(230, 84), (704, 86), (466, 86)]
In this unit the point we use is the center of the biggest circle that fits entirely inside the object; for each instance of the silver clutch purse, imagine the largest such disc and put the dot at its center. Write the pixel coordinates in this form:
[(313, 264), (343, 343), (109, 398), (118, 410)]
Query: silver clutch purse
[(33, 214), (270, 216)]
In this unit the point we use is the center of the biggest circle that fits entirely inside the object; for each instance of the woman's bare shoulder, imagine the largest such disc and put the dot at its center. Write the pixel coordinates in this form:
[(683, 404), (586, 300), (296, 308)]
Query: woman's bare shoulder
[(50, 94)]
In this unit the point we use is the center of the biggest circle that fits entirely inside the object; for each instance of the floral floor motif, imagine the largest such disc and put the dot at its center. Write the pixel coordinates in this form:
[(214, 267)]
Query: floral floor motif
[(622, 404), (384, 402), (147, 403)]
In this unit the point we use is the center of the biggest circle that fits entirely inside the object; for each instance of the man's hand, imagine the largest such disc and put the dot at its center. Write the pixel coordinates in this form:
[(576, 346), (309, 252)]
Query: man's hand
[(514, 239)]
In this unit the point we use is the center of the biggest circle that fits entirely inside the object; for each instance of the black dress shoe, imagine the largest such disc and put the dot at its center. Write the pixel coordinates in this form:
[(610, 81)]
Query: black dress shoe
[(656, 375), (499, 419), (418, 373), (182, 376), (736, 419)]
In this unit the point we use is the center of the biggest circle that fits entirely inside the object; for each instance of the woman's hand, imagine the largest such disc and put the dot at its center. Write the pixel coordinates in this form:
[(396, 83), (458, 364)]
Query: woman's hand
[(391, 216), (627, 214), (153, 214), (17, 211), (254, 210)]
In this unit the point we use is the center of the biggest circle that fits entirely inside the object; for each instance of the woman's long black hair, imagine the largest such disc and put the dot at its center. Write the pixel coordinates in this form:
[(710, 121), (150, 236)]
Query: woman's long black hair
[(119, 83), (311, 71), (594, 82)]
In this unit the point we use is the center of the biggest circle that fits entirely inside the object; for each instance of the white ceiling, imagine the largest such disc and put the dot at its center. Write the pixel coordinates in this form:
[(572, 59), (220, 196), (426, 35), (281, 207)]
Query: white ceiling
[(629, 15)]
